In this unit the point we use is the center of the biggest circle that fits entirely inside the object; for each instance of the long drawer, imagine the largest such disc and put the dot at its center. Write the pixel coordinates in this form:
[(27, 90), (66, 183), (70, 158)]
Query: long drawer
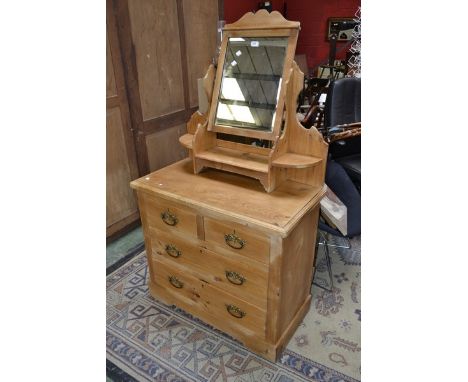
[(236, 274), (238, 239), (170, 217), (214, 306)]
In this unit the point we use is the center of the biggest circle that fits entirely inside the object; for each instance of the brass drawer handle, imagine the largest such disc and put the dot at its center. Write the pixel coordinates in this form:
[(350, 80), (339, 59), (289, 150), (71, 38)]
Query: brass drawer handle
[(168, 218), (235, 277), (176, 282), (234, 241), (172, 250), (235, 311)]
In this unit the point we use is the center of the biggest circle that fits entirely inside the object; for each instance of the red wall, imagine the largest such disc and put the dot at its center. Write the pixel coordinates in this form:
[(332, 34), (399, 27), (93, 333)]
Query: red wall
[(313, 16)]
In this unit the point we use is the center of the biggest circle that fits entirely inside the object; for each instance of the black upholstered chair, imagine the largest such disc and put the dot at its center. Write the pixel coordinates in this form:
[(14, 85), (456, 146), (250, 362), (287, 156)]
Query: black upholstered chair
[(343, 108)]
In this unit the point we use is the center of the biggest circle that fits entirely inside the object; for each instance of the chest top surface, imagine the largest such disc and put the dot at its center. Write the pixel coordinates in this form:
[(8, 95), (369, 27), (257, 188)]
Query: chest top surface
[(232, 194)]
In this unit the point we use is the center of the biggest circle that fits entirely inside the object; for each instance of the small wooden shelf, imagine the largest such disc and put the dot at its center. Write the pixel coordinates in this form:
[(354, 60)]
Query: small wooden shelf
[(236, 158), (291, 160), (186, 140)]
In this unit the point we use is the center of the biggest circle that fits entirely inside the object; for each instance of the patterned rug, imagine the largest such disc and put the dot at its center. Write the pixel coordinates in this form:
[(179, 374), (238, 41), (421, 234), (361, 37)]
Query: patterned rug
[(151, 341)]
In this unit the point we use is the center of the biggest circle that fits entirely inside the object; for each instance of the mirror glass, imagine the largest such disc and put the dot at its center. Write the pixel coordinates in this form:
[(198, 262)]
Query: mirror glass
[(251, 82)]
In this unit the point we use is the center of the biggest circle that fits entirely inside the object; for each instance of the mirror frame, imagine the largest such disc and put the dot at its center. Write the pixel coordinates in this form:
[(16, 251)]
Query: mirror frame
[(259, 24)]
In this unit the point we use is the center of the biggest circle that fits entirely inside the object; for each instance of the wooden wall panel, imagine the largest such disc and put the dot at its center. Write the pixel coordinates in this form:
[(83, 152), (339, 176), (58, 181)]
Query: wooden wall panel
[(120, 198), (166, 46), (200, 19), (121, 161), (111, 89), (164, 148), (155, 31)]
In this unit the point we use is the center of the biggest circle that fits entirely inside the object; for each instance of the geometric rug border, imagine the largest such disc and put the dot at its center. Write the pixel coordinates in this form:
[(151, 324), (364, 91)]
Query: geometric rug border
[(115, 373), (120, 374), (161, 373), (307, 364), (168, 371)]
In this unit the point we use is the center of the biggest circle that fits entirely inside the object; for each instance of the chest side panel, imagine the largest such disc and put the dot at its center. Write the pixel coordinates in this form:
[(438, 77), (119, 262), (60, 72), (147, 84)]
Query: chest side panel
[(297, 266)]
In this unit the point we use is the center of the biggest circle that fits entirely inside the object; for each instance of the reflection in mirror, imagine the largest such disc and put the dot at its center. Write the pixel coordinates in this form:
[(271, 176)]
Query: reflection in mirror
[(251, 82)]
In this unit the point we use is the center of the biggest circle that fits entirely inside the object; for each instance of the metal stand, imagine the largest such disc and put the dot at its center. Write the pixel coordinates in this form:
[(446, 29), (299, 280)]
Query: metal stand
[(326, 244), (348, 246), (327, 258)]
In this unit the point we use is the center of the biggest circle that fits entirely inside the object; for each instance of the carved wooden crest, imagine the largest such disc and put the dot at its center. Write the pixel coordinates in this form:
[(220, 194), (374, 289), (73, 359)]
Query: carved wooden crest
[(262, 20)]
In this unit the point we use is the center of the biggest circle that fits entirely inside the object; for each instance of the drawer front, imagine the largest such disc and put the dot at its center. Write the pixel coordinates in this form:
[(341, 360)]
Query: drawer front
[(170, 217), (239, 239), (244, 278), (212, 305)]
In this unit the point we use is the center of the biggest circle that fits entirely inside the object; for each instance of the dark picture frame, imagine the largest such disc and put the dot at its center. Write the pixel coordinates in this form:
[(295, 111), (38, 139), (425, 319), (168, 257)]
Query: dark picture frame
[(341, 26)]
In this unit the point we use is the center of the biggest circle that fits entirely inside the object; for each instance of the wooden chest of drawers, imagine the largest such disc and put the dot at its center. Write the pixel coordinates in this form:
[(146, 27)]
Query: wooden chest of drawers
[(229, 253)]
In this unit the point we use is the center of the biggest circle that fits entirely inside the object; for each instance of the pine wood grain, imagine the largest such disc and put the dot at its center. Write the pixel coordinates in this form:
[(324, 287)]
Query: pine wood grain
[(262, 19), (196, 119), (186, 217), (206, 301), (298, 253), (274, 288), (292, 326), (216, 194), (304, 141), (236, 158), (186, 140), (243, 147), (256, 245), (212, 267), (290, 160), (298, 141), (142, 203)]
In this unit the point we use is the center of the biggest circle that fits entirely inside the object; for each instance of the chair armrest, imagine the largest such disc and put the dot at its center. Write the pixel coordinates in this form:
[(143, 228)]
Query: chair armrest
[(340, 132), (344, 135), (345, 126)]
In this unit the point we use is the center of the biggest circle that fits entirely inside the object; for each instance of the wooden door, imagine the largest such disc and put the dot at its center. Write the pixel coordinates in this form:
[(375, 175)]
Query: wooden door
[(166, 46), (121, 163)]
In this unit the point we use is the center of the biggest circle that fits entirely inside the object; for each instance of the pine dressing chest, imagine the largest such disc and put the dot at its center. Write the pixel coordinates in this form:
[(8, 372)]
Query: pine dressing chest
[(226, 251), (236, 247)]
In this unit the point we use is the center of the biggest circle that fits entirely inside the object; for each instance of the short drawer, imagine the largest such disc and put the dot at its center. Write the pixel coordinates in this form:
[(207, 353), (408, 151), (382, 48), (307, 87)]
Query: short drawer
[(233, 273), (238, 239), (170, 217), (212, 305)]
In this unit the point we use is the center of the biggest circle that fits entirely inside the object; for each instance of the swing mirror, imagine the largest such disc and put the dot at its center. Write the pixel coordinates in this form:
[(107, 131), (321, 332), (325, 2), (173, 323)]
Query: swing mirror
[(249, 91), (251, 81)]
